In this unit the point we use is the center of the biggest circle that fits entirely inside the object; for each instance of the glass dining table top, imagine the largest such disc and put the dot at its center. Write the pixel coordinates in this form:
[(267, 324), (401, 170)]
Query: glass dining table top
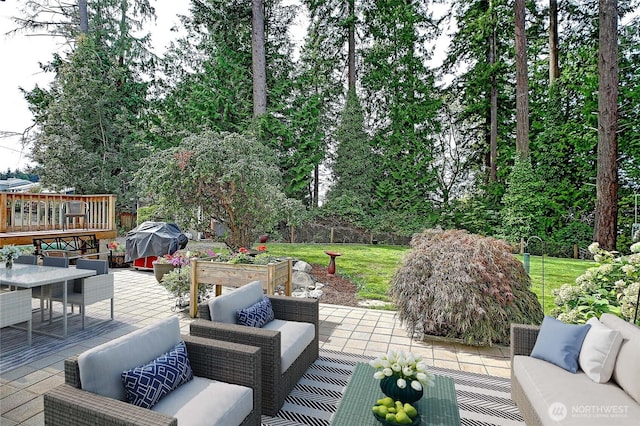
[(28, 276)]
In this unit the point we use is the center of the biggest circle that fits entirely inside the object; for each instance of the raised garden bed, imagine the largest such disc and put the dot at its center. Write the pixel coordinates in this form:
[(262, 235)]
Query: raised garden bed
[(236, 275)]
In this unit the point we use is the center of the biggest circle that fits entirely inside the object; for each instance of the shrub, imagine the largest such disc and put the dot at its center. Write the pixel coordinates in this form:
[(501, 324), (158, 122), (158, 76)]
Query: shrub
[(610, 287), (228, 178), (178, 283), (465, 286), (523, 202)]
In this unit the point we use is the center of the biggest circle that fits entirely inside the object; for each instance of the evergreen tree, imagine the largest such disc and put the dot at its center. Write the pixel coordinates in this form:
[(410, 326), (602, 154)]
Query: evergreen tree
[(523, 202), (353, 168), (88, 126), (398, 88)]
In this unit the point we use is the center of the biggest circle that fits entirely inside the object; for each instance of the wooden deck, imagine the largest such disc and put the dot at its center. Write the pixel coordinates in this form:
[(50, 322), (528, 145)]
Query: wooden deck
[(25, 216), (22, 238)]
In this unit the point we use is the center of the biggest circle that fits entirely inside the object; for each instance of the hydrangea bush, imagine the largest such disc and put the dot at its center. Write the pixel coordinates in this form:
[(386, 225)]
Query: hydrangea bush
[(610, 287)]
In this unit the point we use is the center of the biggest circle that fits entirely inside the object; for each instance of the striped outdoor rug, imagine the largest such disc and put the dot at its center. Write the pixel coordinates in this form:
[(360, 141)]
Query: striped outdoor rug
[(482, 400), (15, 353)]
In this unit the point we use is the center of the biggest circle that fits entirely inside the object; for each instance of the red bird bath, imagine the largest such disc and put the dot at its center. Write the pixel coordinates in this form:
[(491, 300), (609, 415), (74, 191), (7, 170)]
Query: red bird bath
[(331, 271)]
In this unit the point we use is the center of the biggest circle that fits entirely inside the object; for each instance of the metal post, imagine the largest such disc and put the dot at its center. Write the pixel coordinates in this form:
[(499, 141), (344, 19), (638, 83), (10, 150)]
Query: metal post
[(527, 261), (526, 266), (635, 316)]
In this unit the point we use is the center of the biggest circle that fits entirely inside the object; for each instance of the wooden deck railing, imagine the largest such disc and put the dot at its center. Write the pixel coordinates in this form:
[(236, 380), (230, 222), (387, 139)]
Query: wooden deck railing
[(24, 212)]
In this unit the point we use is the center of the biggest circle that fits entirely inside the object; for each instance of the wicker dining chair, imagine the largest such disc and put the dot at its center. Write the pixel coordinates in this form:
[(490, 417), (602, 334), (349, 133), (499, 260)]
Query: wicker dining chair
[(89, 290), (15, 308)]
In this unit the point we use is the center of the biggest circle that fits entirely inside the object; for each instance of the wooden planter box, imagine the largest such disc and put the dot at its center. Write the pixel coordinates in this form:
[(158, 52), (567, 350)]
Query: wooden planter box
[(237, 275)]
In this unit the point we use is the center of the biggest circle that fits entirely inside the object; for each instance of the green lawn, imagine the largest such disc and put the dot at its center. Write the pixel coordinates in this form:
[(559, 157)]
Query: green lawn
[(557, 271), (371, 267)]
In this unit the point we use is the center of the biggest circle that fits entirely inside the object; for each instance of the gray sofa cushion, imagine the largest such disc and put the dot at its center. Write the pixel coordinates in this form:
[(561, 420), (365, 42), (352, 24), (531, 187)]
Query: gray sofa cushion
[(294, 338), (207, 402), (101, 367), (223, 308), (626, 372), (551, 389)]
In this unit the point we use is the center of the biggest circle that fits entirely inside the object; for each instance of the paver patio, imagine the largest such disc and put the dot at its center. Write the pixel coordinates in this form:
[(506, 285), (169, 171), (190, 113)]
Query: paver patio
[(141, 301)]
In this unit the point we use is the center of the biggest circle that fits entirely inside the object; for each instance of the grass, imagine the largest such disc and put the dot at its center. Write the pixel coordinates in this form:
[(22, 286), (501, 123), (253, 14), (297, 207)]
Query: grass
[(371, 267), (557, 271)]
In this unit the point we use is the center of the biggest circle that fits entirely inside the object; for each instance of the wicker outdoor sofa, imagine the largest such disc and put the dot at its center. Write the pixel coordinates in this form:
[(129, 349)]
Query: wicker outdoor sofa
[(276, 381), (230, 363), (549, 395)]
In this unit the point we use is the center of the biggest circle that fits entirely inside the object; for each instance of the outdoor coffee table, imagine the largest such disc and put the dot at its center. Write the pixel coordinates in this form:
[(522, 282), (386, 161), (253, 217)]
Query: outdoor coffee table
[(438, 405)]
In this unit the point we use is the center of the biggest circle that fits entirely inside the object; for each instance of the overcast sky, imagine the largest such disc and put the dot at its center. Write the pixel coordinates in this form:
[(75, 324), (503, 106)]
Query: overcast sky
[(21, 54)]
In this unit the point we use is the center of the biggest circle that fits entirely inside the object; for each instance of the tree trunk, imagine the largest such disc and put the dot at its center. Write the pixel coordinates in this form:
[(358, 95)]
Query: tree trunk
[(522, 85), (316, 187), (84, 19), (554, 68), (352, 46), (607, 176), (258, 59), (493, 112)]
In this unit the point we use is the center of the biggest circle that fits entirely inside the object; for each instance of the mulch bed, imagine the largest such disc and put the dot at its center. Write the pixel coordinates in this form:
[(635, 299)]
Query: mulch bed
[(337, 290)]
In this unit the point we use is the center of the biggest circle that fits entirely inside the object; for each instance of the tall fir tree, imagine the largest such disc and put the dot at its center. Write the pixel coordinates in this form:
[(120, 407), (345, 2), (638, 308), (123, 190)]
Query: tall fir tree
[(88, 122), (398, 88)]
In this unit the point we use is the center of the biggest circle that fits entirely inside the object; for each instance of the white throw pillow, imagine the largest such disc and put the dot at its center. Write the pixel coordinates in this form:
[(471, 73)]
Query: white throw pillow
[(599, 351)]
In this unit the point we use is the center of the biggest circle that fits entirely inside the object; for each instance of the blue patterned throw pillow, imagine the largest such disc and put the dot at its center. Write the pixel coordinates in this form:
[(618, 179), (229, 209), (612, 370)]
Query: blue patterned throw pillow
[(257, 314), (146, 385)]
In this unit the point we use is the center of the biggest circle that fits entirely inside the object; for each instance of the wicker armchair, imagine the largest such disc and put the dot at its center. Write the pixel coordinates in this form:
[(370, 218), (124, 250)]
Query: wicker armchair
[(226, 362), (276, 384)]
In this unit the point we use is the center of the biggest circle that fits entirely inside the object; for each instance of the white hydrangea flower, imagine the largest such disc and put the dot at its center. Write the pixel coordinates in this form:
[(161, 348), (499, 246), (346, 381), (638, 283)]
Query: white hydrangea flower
[(628, 269), (605, 269), (635, 248), (593, 248), (620, 284)]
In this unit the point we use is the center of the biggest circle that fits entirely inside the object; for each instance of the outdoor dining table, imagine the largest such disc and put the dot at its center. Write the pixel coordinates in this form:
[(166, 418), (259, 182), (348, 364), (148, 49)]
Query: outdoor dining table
[(30, 276)]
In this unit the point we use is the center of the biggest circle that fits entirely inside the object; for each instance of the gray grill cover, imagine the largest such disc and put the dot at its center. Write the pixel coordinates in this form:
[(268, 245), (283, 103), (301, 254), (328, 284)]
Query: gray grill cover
[(154, 239)]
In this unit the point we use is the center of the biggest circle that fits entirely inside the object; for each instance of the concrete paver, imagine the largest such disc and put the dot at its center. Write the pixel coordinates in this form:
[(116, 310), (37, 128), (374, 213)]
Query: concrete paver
[(142, 301)]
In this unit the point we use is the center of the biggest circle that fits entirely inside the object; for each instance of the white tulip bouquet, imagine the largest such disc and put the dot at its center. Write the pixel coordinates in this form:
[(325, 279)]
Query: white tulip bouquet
[(405, 367)]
